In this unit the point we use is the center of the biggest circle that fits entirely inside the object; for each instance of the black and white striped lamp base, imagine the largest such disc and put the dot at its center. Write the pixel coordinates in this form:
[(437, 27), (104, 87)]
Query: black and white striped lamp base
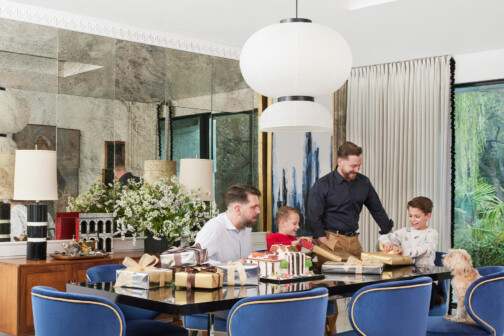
[(5, 225), (36, 231)]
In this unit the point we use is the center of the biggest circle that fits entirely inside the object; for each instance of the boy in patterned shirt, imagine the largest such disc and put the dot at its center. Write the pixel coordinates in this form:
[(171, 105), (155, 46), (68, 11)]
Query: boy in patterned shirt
[(418, 241)]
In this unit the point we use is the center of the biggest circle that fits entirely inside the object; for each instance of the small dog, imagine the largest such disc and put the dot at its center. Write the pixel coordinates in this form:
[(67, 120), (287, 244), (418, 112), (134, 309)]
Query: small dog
[(459, 262)]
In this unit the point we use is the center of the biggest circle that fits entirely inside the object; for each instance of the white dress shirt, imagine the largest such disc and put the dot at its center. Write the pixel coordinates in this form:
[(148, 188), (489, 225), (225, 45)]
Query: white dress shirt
[(223, 241)]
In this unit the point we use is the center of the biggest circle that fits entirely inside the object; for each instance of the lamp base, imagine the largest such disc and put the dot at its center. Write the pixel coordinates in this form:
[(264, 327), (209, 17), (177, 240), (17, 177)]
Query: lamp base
[(36, 231), (5, 226)]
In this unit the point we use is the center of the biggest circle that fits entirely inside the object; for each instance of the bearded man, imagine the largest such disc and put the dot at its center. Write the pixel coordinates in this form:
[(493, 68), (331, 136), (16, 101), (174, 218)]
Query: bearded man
[(227, 236), (335, 203)]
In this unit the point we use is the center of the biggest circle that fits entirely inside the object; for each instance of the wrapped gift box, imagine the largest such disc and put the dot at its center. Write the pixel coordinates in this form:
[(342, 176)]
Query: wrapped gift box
[(197, 296), (184, 256), (158, 294), (199, 277), (341, 267), (237, 274), (386, 258), (149, 277)]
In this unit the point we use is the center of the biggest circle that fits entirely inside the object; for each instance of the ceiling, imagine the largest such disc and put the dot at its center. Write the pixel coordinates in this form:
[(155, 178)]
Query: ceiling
[(395, 31)]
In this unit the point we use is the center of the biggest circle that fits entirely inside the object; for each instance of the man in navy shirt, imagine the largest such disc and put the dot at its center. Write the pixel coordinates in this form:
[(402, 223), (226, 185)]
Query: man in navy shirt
[(336, 200)]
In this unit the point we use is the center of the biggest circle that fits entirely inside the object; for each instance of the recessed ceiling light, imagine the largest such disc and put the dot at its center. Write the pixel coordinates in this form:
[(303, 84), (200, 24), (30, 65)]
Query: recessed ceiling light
[(357, 4)]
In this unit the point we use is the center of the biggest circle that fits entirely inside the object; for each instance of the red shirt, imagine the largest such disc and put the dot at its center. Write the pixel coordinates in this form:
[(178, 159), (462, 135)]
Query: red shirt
[(280, 238)]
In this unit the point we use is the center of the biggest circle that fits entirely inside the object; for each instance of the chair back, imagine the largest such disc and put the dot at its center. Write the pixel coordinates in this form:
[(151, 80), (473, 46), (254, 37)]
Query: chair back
[(107, 273), (299, 313), (391, 308), (484, 299), (443, 287), (58, 313)]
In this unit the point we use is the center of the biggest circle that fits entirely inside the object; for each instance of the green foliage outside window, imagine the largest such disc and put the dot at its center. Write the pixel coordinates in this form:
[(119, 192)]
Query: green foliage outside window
[(479, 163)]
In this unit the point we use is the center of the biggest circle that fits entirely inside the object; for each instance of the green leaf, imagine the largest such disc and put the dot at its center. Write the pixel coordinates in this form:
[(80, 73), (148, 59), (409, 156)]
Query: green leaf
[(284, 264)]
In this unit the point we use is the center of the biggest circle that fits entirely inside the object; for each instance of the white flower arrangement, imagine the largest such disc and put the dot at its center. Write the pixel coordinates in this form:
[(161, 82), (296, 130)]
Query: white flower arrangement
[(98, 198), (163, 210)]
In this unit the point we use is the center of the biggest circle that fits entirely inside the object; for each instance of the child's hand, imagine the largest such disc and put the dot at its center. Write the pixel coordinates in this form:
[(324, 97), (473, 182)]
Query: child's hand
[(308, 239), (398, 250), (388, 247)]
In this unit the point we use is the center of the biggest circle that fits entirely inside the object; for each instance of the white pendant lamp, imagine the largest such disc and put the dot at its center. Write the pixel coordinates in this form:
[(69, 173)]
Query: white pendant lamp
[(295, 61)]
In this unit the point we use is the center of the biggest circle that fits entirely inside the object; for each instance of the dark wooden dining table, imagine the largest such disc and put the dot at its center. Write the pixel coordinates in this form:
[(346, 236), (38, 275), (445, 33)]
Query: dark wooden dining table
[(178, 301)]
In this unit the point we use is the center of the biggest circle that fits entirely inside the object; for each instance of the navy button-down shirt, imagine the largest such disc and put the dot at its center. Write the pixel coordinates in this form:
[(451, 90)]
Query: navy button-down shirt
[(335, 204)]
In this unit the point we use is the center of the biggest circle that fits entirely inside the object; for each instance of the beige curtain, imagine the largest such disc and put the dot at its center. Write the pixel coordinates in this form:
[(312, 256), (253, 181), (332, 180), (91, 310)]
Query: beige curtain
[(400, 114)]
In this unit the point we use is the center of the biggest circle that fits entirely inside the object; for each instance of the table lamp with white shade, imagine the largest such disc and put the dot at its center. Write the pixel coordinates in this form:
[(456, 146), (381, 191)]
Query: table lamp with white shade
[(197, 174), (35, 180)]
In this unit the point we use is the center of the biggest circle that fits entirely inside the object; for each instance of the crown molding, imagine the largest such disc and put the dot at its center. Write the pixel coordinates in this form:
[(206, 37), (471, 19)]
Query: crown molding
[(95, 26)]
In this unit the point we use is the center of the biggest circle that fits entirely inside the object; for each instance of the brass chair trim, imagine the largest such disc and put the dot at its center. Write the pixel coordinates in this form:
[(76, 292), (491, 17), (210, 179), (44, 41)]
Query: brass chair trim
[(271, 301), (471, 308), (380, 289), (88, 302)]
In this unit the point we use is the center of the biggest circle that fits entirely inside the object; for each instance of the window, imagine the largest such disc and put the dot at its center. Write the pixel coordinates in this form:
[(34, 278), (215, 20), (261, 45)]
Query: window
[(230, 139), (479, 171)]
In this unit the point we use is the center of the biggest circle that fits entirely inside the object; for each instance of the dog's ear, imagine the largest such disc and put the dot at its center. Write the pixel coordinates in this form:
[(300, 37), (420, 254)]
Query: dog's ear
[(467, 262)]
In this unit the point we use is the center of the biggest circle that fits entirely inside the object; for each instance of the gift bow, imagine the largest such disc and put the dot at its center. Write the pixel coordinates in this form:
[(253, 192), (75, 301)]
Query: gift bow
[(144, 265), (192, 271), (241, 273), (198, 251)]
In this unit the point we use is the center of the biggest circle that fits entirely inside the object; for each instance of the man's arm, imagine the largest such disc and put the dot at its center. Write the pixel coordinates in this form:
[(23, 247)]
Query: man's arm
[(315, 212), (208, 238), (379, 214)]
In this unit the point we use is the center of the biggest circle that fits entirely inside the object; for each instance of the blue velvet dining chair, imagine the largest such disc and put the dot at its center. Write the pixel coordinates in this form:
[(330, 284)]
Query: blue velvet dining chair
[(484, 301), (394, 308), (289, 314), (58, 313), (444, 287)]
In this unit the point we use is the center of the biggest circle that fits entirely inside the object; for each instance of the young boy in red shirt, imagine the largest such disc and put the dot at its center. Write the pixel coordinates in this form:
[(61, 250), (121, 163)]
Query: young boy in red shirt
[(287, 219)]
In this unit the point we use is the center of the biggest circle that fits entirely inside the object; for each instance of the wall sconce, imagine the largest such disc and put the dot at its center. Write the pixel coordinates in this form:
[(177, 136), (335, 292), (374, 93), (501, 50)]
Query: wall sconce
[(35, 180)]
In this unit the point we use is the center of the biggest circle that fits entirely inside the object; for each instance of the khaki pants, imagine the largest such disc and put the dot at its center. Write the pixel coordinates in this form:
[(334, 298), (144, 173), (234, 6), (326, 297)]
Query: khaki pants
[(343, 245)]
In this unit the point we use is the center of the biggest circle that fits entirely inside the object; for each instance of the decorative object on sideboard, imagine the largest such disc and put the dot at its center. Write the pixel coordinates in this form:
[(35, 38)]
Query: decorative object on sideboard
[(154, 170), (35, 180), (6, 193), (98, 227), (295, 60), (14, 115), (197, 174)]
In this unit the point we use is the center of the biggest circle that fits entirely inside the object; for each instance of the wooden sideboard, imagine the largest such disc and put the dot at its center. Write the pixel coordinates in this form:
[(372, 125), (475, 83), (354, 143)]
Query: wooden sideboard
[(18, 276)]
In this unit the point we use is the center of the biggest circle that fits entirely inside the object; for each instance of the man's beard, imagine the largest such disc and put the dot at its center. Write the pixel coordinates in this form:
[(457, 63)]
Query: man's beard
[(349, 176), (249, 224)]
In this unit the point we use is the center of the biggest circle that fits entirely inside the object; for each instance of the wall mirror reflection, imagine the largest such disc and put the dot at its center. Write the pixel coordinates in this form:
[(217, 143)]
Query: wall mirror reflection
[(93, 99)]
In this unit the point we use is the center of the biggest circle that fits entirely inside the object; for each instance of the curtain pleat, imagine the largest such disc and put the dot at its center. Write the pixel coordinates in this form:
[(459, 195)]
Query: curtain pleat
[(400, 114)]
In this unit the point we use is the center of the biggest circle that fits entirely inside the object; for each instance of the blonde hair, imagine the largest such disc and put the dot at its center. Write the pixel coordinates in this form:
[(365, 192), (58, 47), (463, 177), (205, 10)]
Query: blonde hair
[(284, 212)]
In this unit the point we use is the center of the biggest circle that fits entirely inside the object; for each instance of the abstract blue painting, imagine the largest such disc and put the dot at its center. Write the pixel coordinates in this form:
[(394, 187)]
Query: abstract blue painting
[(299, 159)]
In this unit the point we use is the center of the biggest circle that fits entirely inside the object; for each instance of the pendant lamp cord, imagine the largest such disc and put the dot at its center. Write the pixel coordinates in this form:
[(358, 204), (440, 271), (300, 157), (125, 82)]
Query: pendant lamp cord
[(296, 9)]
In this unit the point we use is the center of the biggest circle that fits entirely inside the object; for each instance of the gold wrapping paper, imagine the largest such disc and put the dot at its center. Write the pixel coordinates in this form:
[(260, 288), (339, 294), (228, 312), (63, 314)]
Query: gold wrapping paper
[(202, 279), (386, 258), (197, 296), (327, 254), (142, 274), (396, 272)]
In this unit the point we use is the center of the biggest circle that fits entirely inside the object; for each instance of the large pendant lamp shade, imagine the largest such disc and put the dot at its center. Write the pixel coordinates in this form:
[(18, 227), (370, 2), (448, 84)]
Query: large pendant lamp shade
[(296, 116), (295, 59)]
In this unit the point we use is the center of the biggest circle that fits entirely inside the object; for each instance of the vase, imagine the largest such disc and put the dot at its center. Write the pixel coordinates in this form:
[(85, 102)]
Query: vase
[(157, 246)]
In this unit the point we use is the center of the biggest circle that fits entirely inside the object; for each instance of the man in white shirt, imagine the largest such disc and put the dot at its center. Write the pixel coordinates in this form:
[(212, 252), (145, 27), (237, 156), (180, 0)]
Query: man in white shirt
[(227, 236)]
